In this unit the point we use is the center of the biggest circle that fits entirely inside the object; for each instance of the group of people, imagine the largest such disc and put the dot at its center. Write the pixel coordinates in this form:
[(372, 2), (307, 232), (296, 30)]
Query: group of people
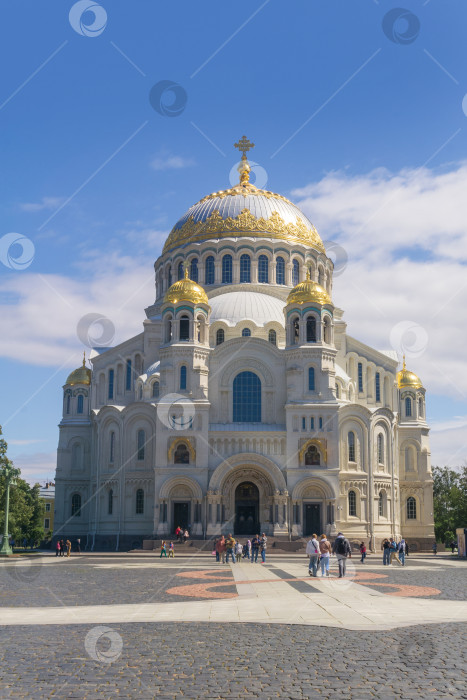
[(164, 548), (181, 534), (394, 551), (63, 547), (225, 547), (320, 554)]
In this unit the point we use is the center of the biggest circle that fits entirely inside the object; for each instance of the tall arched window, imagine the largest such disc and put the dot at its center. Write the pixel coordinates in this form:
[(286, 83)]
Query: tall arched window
[(408, 459), (295, 273), (183, 377), (380, 448), (245, 268), (169, 276), (184, 328), (111, 384), (338, 391), (311, 329), (246, 332), (76, 505), (68, 403), (411, 508), (381, 504), (351, 446), (263, 267), (327, 330), (110, 502), (360, 377), (280, 270), (180, 274), (220, 336), (80, 408), (408, 406), (227, 269), (155, 390), (194, 269), (420, 408), (141, 440), (128, 382), (112, 447), (377, 387), (181, 454), (272, 337), (311, 378), (139, 509), (168, 329), (247, 398), (209, 270), (352, 504), (295, 331), (320, 276)]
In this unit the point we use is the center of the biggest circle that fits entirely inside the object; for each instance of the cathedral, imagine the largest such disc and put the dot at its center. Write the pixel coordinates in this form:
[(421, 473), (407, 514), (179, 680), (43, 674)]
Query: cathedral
[(243, 405)]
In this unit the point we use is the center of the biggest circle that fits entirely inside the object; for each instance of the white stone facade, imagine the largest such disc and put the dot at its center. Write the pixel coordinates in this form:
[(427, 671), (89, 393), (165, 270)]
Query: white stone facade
[(151, 449)]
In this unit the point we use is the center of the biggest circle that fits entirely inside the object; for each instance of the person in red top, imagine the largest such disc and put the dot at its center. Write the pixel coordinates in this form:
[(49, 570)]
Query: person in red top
[(363, 552), (177, 532)]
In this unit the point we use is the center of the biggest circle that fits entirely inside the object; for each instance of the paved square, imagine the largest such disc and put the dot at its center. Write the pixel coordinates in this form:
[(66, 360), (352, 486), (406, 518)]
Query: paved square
[(133, 625)]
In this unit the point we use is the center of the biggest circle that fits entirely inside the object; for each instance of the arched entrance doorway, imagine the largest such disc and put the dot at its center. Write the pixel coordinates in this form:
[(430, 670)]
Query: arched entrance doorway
[(246, 509)]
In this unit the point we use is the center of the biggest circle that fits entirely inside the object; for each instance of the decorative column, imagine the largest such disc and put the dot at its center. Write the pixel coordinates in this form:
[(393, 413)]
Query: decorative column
[(10, 474)]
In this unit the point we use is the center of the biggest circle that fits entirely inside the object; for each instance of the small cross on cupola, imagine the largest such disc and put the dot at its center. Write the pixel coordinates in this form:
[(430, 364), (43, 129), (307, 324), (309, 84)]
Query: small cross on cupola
[(244, 145)]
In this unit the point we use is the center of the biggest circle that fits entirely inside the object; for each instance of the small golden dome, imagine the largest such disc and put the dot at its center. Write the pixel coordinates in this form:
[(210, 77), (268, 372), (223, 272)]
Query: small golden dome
[(186, 290), (82, 375), (308, 291), (406, 379)]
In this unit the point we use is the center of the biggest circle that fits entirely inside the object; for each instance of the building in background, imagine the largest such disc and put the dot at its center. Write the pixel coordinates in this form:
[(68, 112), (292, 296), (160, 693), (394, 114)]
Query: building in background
[(47, 494), (243, 404)]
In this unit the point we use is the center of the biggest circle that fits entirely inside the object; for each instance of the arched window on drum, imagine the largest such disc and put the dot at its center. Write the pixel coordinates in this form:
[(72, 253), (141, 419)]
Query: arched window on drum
[(280, 270)]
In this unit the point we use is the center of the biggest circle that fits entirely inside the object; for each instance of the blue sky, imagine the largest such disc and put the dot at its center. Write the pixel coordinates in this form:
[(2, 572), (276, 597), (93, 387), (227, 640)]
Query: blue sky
[(367, 133)]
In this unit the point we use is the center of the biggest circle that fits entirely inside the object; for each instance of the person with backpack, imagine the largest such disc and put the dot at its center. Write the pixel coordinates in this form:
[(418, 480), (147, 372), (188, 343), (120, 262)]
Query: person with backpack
[(363, 552), (341, 548), (312, 549), (393, 551), (325, 554), (402, 551)]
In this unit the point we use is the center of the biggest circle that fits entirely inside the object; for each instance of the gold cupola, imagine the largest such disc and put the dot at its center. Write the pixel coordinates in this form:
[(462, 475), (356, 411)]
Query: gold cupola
[(82, 375), (308, 291), (406, 379), (186, 290)]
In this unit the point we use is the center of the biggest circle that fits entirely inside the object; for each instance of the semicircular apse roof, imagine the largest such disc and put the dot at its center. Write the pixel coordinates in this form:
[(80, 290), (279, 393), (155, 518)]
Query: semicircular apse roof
[(235, 307)]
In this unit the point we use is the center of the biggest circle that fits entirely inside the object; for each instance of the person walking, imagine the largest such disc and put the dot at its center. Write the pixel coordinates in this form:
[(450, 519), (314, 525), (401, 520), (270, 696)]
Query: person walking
[(435, 548), (78, 545), (341, 548), (171, 550), (312, 549), (363, 552), (163, 550), (62, 547), (68, 548), (57, 548), (254, 549), (393, 551), (221, 548), (263, 546), (386, 552), (230, 546), (453, 546), (406, 548), (239, 552), (402, 552), (248, 549), (325, 554)]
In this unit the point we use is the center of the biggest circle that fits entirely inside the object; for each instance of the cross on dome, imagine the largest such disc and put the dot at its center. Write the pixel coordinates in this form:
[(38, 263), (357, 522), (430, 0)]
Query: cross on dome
[(244, 145)]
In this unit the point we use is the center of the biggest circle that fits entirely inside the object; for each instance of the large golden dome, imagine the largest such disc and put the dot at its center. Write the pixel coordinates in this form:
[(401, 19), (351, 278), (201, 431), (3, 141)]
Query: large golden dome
[(82, 375), (408, 380), (186, 290), (308, 291), (243, 211)]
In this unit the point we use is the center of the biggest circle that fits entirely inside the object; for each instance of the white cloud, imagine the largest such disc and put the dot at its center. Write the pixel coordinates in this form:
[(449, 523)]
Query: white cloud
[(37, 467), (406, 238), (25, 442), (170, 162), (46, 203), (449, 446)]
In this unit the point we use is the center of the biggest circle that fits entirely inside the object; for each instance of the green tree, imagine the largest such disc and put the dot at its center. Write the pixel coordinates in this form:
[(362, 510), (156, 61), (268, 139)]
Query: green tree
[(26, 518), (450, 500)]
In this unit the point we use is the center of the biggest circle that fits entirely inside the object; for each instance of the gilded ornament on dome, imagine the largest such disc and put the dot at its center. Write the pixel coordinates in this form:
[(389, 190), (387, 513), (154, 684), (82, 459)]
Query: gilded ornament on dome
[(273, 227)]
